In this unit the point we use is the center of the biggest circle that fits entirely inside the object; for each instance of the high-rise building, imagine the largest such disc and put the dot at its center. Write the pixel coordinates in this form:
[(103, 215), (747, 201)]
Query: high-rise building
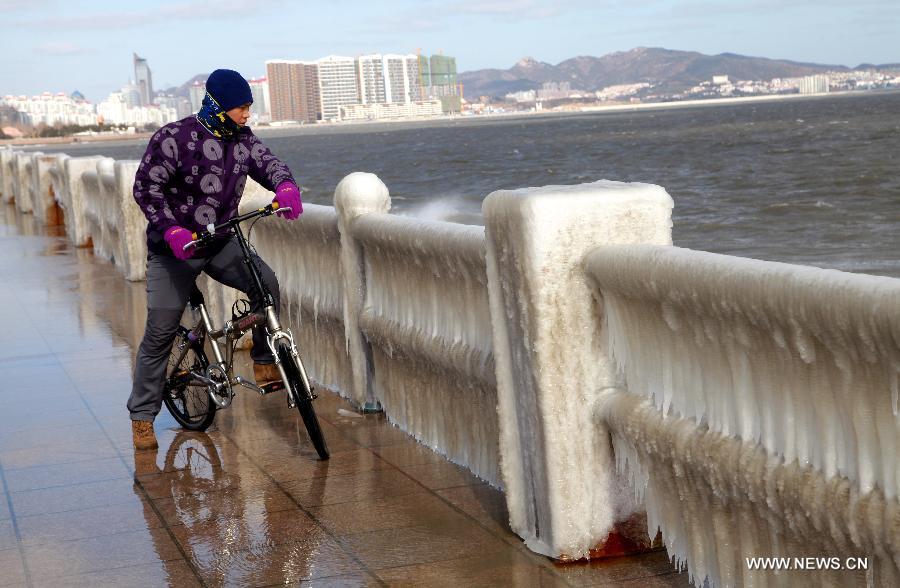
[(143, 80), (818, 84), (424, 72), (197, 92), (132, 95), (337, 85), (259, 89), (401, 74), (180, 104), (443, 70), (293, 91), (371, 76), (388, 79)]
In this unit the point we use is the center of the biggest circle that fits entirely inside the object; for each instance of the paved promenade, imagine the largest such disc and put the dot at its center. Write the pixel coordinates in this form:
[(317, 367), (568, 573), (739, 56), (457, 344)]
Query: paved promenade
[(246, 504)]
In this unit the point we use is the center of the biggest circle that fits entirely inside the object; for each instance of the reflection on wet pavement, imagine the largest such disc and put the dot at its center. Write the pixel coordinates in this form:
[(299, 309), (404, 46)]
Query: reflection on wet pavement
[(245, 504)]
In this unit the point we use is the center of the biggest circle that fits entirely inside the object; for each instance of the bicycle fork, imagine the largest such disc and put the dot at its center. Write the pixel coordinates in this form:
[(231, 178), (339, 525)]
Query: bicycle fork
[(275, 333)]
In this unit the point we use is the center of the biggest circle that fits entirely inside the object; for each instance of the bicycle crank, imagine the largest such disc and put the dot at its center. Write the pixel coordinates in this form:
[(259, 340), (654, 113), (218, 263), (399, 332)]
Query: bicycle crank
[(218, 385)]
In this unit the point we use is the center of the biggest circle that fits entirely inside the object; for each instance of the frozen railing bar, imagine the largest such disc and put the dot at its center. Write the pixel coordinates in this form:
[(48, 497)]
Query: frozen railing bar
[(305, 255), (802, 360), (434, 302), (561, 489), (107, 240), (425, 237), (426, 315), (720, 500)]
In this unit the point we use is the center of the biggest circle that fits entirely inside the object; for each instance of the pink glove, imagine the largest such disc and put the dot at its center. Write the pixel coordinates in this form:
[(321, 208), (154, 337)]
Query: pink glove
[(288, 195), (177, 238)]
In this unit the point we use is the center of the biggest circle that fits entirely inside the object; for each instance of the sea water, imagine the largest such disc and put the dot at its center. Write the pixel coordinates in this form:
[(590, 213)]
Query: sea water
[(811, 181)]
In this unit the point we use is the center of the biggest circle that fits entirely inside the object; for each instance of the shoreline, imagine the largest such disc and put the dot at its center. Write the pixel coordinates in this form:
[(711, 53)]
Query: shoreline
[(398, 124), (32, 141)]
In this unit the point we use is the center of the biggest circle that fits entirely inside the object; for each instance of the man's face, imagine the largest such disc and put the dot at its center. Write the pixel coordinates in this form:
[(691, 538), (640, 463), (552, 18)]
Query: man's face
[(240, 114)]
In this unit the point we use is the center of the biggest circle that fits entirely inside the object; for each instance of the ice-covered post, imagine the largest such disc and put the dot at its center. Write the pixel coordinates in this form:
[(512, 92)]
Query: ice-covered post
[(356, 195), (6, 190), (133, 231), (44, 203), (74, 204), (557, 466)]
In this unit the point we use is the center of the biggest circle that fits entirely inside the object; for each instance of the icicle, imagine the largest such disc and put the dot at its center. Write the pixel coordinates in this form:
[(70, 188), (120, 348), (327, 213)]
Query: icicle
[(799, 359)]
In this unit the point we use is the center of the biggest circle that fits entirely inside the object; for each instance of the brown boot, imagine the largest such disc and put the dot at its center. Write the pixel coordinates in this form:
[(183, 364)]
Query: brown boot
[(143, 435), (266, 373)]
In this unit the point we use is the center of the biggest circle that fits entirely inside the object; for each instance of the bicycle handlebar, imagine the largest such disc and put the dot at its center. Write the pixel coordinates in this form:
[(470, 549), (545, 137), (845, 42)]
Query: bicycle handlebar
[(268, 210)]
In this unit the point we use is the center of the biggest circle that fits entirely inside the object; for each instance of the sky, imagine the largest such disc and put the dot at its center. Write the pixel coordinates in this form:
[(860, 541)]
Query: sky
[(62, 46)]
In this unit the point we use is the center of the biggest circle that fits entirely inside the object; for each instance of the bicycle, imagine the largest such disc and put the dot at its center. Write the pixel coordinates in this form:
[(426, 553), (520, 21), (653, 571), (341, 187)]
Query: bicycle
[(195, 388)]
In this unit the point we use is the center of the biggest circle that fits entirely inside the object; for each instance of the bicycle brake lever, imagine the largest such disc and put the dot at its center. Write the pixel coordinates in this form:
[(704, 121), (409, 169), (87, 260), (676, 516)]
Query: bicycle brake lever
[(196, 239)]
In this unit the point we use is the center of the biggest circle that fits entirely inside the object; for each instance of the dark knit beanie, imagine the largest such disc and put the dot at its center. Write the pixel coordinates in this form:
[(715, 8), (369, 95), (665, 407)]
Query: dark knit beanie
[(228, 88)]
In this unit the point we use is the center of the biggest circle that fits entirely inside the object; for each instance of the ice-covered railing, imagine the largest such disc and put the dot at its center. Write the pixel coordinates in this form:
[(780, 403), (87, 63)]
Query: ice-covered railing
[(23, 179), (775, 385), (412, 316), (43, 192), (305, 256), (114, 222), (771, 389), (427, 317), (721, 501), (7, 184)]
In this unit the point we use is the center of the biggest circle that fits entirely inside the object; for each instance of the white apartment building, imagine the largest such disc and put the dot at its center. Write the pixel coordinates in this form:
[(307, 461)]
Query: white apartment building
[(115, 111), (391, 110), (197, 92), (814, 85), (401, 75), (371, 72), (52, 109), (388, 79), (337, 85), (261, 110)]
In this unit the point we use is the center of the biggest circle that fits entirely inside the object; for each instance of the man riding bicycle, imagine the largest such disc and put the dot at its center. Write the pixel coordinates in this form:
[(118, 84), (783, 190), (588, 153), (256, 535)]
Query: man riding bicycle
[(193, 175)]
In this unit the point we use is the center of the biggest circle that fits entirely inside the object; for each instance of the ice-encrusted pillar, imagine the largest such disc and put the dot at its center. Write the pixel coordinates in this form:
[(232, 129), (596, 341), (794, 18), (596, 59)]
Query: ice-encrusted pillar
[(133, 230), (74, 204), (6, 176), (358, 194), (556, 460)]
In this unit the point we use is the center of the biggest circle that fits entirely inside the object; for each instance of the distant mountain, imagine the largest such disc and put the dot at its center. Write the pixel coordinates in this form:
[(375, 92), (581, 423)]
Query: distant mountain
[(669, 71)]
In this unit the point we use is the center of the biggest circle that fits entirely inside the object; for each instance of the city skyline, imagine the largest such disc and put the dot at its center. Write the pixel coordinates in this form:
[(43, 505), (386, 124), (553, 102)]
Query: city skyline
[(60, 47)]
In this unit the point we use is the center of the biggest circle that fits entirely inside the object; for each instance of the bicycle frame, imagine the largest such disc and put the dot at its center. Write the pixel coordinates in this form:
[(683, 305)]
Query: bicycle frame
[(219, 374)]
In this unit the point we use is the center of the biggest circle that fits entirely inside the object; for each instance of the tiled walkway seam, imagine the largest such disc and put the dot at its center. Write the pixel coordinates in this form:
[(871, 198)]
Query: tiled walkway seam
[(15, 524)]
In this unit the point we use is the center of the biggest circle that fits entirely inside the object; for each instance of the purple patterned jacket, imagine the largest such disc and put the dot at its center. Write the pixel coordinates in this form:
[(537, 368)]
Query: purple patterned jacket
[(189, 178)]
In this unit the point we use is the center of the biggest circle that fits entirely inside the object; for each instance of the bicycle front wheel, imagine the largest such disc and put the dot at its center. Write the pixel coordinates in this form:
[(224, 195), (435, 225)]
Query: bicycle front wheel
[(186, 397), (303, 398)]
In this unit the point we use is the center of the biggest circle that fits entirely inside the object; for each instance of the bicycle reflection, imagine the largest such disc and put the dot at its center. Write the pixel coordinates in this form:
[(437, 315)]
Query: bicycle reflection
[(233, 527)]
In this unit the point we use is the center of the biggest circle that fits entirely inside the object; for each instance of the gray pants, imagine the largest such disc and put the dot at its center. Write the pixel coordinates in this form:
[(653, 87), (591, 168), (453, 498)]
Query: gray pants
[(169, 283)]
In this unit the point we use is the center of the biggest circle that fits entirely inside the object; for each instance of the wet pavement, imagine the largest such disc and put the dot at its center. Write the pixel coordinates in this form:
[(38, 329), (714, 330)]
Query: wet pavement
[(245, 504)]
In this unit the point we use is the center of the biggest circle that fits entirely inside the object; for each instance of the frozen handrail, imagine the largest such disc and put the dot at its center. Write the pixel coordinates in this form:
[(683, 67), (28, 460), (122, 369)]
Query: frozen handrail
[(802, 360), (445, 316), (721, 501), (427, 317)]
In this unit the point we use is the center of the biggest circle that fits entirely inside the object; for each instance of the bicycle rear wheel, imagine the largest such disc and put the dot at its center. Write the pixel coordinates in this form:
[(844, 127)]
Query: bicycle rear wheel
[(186, 397), (303, 398)]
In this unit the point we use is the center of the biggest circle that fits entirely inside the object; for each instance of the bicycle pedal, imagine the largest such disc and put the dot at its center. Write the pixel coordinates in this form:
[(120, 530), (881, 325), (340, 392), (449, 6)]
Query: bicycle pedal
[(272, 387)]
